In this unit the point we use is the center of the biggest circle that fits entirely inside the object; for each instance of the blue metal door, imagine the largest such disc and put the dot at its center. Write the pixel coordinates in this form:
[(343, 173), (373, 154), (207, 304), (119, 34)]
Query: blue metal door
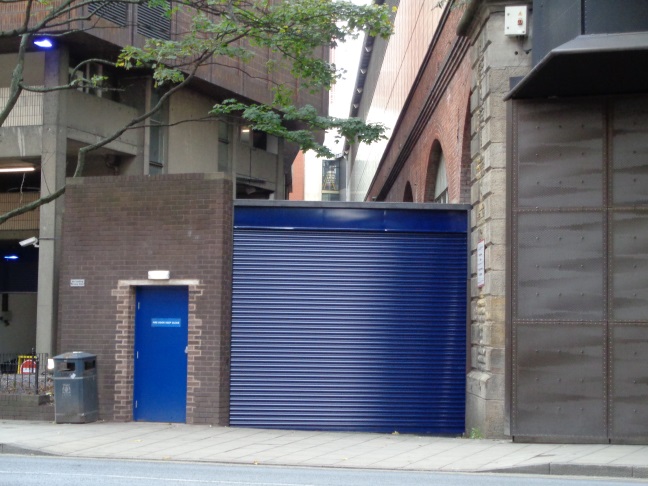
[(350, 318), (161, 331)]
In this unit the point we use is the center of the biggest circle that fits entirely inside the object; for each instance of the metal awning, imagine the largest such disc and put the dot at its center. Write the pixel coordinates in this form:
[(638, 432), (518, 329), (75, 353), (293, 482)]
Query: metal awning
[(589, 65)]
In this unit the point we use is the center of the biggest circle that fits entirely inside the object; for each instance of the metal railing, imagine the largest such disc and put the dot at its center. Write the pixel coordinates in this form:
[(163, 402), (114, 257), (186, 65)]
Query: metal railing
[(25, 374), (27, 221), (28, 110)]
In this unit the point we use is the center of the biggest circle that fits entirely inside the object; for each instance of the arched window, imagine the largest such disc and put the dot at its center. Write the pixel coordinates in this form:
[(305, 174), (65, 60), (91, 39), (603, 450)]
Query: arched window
[(408, 196), (441, 183), (436, 186)]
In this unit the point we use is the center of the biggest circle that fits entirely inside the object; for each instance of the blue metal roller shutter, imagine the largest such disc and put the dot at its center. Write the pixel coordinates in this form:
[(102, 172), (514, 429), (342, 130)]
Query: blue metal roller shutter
[(348, 330)]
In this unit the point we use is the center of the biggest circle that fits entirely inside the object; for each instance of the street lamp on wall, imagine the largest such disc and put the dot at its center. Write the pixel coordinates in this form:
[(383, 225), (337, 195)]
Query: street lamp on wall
[(44, 43)]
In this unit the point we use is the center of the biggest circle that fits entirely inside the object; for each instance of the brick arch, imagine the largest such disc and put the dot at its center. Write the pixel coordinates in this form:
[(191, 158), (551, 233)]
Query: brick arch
[(456, 158)]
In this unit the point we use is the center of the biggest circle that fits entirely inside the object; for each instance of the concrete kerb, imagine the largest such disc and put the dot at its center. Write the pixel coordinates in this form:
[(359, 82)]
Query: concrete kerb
[(548, 469), (242, 446), (583, 470), (11, 449)]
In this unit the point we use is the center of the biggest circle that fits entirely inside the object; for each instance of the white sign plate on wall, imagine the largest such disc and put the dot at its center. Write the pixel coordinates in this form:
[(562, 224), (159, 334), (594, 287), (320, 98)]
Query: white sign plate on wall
[(481, 264), (77, 282)]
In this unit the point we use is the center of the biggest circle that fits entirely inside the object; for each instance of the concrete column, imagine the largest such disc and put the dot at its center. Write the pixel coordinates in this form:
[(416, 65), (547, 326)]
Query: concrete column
[(280, 176), (53, 164), (237, 153), (496, 58)]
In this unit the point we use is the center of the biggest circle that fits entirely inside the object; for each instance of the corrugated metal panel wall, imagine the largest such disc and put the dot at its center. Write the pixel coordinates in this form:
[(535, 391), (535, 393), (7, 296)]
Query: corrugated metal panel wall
[(579, 270), (338, 329)]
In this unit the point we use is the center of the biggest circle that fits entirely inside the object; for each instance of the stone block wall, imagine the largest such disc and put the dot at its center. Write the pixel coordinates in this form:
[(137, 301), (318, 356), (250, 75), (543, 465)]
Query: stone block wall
[(115, 230), (495, 59)]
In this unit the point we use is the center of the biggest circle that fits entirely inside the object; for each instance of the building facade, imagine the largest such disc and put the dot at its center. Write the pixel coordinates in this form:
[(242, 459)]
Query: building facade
[(447, 144), (157, 197), (577, 211), (534, 114)]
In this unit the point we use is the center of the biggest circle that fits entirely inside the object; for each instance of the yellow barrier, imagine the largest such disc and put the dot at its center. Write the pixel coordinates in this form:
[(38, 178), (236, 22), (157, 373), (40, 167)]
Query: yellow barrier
[(26, 364)]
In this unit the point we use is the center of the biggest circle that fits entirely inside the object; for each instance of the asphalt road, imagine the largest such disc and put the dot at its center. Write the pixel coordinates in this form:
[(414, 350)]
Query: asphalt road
[(52, 471)]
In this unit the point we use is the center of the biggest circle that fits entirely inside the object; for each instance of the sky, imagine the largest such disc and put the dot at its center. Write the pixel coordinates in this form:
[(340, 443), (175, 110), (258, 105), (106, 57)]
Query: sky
[(347, 57)]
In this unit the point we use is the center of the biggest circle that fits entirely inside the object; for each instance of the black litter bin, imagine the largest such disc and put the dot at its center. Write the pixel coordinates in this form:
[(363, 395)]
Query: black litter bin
[(75, 388)]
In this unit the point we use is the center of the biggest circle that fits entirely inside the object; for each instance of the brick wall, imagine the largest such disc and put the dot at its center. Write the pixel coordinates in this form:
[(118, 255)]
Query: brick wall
[(298, 178), (436, 113), (458, 104), (26, 407), (115, 230)]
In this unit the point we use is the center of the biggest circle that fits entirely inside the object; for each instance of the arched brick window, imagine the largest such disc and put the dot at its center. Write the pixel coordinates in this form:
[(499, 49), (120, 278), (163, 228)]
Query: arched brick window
[(436, 186), (408, 196)]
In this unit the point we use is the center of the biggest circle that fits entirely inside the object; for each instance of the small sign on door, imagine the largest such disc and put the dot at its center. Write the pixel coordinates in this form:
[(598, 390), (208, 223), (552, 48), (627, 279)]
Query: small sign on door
[(166, 322)]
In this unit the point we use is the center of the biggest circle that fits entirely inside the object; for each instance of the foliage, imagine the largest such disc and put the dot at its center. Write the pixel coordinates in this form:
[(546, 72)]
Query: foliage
[(475, 433), (294, 32)]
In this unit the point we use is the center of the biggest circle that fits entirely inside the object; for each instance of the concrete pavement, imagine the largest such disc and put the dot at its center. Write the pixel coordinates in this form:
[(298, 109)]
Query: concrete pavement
[(203, 443)]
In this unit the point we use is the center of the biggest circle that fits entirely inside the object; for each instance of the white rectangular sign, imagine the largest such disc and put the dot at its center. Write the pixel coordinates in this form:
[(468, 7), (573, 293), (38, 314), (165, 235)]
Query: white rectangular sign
[(77, 282), (481, 264)]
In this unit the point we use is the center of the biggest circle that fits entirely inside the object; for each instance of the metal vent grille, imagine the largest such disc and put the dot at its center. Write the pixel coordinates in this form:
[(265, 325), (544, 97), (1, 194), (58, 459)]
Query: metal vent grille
[(152, 22), (27, 221), (116, 12), (28, 110)]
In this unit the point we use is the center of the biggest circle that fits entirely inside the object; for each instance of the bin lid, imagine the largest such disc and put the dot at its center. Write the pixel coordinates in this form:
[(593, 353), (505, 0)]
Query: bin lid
[(75, 355)]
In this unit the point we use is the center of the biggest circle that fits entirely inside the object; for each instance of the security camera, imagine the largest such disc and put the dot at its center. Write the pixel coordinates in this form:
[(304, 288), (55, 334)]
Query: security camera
[(30, 241)]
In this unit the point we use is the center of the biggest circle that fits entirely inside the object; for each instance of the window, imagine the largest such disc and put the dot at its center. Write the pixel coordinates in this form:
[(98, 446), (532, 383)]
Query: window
[(408, 195), (331, 180), (116, 12), (85, 74), (441, 183), (256, 138), (153, 22), (436, 180)]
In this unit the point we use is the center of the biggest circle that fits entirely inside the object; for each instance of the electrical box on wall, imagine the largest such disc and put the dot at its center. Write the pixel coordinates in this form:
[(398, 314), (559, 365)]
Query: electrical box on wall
[(515, 20)]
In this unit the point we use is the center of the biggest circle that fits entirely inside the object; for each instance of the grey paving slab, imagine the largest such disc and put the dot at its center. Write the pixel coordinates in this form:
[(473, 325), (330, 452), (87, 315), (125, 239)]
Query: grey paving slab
[(181, 442), (637, 458), (520, 453), (608, 455)]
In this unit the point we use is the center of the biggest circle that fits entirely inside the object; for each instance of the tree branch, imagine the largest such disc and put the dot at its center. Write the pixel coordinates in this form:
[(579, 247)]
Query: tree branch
[(83, 151), (32, 205), (282, 32)]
